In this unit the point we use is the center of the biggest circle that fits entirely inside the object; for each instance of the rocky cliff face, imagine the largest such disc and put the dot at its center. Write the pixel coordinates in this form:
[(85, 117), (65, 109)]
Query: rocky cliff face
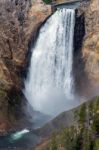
[(19, 21), (91, 41), (87, 47)]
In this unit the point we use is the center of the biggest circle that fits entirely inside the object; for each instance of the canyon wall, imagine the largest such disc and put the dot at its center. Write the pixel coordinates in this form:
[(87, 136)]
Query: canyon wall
[(90, 47), (19, 22), (86, 48)]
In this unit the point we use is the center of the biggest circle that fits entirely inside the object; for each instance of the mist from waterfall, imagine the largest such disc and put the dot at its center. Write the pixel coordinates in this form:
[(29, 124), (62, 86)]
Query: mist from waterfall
[(49, 85)]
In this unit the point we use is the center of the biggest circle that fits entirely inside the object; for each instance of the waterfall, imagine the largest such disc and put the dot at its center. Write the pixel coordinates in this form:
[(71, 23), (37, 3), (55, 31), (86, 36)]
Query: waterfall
[(49, 83)]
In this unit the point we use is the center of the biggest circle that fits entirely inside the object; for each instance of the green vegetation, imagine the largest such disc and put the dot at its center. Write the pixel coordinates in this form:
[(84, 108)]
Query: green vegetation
[(84, 134), (47, 1), (96, 147), (82, 114), (2, 93)]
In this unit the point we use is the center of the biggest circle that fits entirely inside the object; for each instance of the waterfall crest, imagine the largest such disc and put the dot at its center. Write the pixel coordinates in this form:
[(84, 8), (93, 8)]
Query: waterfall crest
[(50, 80)]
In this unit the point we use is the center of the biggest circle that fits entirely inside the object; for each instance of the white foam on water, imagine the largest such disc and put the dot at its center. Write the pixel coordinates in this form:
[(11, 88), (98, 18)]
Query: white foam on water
[(19, 134)]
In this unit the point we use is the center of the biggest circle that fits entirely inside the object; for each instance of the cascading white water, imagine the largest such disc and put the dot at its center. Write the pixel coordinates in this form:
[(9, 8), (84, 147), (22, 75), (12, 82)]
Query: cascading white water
[(50, 81), (18, 135)]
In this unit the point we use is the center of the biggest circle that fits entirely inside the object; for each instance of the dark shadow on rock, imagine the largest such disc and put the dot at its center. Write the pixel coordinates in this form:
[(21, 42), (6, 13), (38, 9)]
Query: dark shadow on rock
[(17, 113), (80, 77), (16, 101)]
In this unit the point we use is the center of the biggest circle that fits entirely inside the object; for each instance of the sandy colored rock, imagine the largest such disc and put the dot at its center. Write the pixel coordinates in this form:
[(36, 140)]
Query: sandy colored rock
[(91, 41), (19, 23)]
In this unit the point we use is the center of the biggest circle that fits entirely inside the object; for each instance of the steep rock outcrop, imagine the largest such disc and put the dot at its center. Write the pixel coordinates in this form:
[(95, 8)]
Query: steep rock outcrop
[(87, 48), (19, 21), (91, 41)]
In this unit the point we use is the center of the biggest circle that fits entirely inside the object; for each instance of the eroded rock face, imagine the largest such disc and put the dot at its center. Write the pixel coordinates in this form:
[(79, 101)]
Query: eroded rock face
[(19, 21), (87, 47), (91, 41)]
